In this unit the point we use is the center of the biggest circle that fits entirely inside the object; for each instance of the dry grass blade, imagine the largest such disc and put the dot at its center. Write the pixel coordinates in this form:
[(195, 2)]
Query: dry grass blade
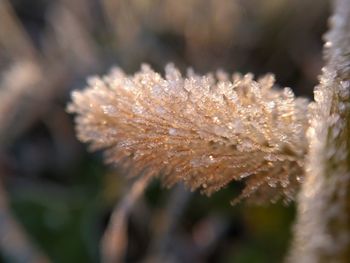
[(115, 239)]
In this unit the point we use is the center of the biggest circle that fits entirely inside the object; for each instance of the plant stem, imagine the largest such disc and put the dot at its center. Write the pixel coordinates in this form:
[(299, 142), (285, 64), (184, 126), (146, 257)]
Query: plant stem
[(115, 239), (322, 230)]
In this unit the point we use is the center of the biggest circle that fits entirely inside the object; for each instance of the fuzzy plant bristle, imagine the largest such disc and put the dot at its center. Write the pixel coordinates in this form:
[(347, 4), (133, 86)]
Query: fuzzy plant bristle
[(205, 131)]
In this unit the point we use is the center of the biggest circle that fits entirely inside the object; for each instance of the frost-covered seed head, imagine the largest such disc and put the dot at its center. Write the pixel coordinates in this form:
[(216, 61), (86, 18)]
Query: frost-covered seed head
[(203, 130)]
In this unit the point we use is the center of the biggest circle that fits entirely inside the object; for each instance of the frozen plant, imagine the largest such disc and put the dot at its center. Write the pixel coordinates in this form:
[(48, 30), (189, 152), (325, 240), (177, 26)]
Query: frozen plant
[(210, 130), (201, 130)]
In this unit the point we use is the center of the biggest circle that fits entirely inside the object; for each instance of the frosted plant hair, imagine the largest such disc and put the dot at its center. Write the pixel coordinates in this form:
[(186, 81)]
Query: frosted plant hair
[(205, 131)]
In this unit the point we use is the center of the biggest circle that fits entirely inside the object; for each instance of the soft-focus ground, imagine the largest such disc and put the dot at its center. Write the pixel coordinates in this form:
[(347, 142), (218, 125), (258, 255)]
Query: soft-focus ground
[(63, 195)]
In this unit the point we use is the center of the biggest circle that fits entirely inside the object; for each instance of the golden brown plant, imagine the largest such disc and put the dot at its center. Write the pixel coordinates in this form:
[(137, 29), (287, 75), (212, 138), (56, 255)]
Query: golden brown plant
[(203, 130)]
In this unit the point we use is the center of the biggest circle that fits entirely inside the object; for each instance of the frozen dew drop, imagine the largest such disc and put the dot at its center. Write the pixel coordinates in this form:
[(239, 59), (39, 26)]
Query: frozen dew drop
[(272, 184), (284, 183), (160, 110), (137, 109), (216, 120), (195, 162), (288, 92), (328, 44), (244, 175), (157, 90), (173, 131), (109, 110), (271, 105)]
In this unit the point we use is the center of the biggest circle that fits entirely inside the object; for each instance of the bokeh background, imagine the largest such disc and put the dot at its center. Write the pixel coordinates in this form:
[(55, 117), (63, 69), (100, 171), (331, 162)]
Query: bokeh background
[(61, 195)]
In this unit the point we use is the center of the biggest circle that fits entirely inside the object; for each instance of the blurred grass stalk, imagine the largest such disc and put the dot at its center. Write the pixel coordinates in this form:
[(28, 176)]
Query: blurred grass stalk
[(16, 85), (322, 230), (15, 245), (32, 78), (115, 239)]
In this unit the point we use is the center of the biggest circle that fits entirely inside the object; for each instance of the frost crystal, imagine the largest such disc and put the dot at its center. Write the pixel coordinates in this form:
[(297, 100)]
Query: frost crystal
[(203, 130)]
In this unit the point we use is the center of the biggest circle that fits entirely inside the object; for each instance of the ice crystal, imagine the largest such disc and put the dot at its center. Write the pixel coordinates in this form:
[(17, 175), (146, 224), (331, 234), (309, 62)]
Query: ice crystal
[(203, 130)]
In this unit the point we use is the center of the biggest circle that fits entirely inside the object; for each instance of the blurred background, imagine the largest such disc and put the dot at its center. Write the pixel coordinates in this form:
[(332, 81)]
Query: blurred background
[(58, 196)]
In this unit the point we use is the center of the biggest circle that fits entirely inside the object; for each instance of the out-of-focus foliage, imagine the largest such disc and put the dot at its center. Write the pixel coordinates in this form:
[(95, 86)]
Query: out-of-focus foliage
[(62, 195)]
